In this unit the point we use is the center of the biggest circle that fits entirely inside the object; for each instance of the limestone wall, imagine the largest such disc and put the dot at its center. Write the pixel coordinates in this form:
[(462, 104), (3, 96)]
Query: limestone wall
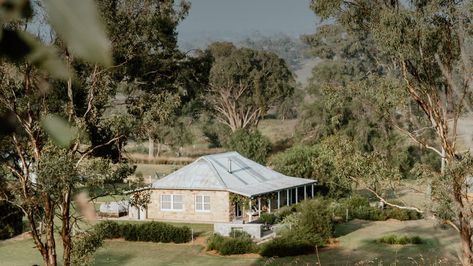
[(219, 206)]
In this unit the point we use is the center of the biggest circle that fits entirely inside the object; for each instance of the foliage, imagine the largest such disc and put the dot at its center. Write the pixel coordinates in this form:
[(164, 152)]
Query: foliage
[(296, 161), (237, 243), (244, 84), (400, 240), (286, 246), (147, 231), (250, 144), (268, 218), (290, 49), (84, 246), (140, 198), (11, 220), (311, 223), (359, 208)]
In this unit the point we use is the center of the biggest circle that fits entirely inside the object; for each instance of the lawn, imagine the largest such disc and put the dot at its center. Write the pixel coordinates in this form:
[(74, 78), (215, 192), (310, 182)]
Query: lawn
[(356, 245)]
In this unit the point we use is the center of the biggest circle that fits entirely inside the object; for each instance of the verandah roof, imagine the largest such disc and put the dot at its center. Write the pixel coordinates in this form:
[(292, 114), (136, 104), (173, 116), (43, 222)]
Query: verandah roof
[(229, 172)]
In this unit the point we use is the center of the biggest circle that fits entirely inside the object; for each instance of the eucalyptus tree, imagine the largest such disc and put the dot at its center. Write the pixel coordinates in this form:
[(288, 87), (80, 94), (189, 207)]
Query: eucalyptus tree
[(426, 45), (244, 84), (62, 142), (155, 72)]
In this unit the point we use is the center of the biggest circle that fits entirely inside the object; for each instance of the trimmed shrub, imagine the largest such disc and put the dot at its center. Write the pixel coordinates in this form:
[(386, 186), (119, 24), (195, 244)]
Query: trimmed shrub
[(400, 240), (148, 232), (237, 246), (285, 246), (238, 243)]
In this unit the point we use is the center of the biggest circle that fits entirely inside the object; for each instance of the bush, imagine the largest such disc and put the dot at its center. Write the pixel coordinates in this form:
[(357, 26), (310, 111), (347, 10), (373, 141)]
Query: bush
[(315, 221), (269, 218), (359, 208), (237, 246), (215, 242), (285, 246), (149, 232), (400, 240), (283, 212), (238, 243)]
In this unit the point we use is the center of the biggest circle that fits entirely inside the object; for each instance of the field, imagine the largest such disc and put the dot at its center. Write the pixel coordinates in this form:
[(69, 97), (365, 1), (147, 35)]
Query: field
[(354, 245)]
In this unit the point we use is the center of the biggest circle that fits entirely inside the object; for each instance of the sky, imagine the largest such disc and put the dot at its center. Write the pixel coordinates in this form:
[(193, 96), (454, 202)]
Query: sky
[(223, 19)]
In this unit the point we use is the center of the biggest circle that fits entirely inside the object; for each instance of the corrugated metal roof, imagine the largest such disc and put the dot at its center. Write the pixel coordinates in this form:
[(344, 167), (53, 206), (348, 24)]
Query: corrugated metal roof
[(231, 172)]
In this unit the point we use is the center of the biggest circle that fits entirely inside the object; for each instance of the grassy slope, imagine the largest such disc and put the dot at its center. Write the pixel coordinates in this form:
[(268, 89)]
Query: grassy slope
[(356, 245)]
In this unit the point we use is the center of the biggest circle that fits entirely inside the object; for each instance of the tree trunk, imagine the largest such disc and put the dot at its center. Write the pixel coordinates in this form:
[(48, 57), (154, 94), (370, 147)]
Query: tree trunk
[(465, 234), (66, 228), (51, 259), (150, 147)]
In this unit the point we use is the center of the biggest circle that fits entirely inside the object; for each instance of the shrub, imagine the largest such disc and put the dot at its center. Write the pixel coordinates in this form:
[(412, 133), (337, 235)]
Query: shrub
[(359, 208), (269, 218), (215, 242), (238, 243), (315, 221), (400, 240), (149, 232), (283, 212), (285, 246), (237, 246), (109, 229)]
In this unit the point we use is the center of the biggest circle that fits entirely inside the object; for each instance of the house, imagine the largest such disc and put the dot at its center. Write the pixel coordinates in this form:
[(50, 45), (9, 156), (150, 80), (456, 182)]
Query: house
[(225, 187)]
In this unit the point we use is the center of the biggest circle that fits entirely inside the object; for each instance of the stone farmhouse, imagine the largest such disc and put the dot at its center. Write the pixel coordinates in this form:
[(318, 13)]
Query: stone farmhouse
[(222, 188)]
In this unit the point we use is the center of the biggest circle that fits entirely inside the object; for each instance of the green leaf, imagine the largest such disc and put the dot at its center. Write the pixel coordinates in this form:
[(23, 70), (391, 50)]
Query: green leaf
[(78, 24), (19, 45), (59, 130)]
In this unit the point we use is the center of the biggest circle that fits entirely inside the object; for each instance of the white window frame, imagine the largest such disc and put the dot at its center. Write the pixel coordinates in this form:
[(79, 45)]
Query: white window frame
[(172, 202), (202, 202)]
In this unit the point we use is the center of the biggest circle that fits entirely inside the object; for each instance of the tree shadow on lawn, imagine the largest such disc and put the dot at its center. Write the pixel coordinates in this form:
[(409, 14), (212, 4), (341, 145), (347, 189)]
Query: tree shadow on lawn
[(349, 227), (111, 257)]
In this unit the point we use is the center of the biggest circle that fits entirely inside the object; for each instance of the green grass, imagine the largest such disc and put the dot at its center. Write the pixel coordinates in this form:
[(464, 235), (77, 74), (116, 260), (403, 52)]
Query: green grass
[(356, 244)]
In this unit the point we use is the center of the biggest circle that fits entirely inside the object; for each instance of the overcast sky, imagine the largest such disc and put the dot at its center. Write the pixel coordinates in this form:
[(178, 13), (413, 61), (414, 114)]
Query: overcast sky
[(224, 18)]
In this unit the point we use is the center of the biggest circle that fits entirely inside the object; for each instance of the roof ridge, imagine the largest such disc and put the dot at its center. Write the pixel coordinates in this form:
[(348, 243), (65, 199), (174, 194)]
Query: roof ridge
[(219, 178)]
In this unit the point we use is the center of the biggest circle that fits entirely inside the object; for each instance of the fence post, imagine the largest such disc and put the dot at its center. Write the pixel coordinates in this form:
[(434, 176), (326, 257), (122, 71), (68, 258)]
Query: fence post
[(192, 236), (346, 215)]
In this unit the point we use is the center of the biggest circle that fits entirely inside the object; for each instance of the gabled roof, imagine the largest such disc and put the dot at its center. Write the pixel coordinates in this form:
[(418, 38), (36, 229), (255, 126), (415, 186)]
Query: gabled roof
[(229, 172)]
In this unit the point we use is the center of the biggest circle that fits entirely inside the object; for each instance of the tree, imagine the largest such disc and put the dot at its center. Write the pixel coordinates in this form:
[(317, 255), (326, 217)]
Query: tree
[(425, 44), (63, 142), (244, 84), (158, 78), (250, 144)]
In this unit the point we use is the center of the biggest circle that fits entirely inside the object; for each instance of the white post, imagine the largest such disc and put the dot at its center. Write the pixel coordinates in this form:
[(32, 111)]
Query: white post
[(297, 196), (250, 213), (287, 198), (305, 192), (269, 205), (259, 207), (279, 199), (312, 190)]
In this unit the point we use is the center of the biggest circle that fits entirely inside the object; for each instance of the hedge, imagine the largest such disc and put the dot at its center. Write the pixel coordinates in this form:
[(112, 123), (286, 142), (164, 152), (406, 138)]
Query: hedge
[(285, 246), (235, 244), (400, 240), (148, 232)]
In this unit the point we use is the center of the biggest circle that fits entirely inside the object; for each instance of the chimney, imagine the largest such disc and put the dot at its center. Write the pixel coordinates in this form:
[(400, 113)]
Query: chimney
[(229, 165)]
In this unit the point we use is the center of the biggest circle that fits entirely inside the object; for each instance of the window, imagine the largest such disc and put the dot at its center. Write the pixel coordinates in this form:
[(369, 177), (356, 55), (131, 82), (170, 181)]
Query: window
[(202, 203), (172, 202)]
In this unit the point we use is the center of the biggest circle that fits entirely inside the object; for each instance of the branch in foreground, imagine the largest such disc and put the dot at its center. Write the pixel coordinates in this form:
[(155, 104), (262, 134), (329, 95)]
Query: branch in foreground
[(385, 201)]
